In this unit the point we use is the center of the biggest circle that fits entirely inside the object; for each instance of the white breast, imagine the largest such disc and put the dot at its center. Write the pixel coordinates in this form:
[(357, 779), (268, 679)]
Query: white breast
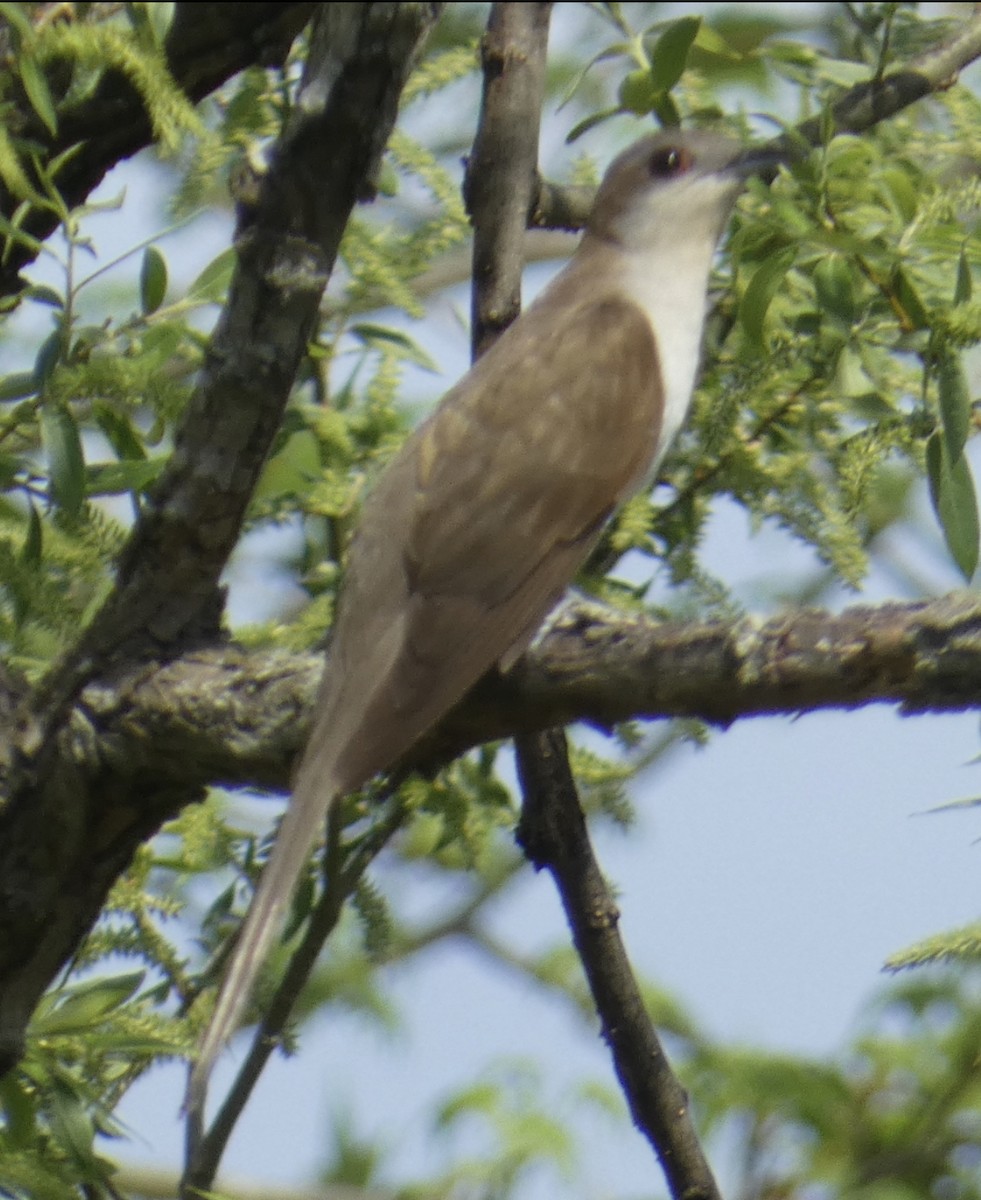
[(674, 303)]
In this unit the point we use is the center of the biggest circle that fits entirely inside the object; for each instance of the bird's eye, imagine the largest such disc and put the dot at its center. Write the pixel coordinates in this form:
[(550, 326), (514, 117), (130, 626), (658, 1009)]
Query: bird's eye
[(668, 161)]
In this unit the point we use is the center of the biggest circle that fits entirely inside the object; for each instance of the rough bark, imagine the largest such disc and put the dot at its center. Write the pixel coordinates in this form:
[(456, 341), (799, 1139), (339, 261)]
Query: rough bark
[(205, 46), (67, 827)]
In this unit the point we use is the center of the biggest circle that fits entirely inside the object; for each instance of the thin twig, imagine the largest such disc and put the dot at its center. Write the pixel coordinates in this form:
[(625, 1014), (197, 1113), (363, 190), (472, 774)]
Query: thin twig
[(554, 836), (859, 109), (499, 182), (205, 1150)]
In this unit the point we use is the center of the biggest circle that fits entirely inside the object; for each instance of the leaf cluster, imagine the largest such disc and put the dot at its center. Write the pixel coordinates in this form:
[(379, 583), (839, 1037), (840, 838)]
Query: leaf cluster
[(894, 1115), (56, 57), (836, 348)]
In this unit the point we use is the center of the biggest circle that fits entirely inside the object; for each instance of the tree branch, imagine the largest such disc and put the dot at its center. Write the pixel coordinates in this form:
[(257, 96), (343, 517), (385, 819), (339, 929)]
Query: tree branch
[(205, 46), (65, 835), (860, 108), (144, 741), (500, 181), (204, 1152), (499, 190), (224, 715), (554, 835), (166, 588), (935, 70)]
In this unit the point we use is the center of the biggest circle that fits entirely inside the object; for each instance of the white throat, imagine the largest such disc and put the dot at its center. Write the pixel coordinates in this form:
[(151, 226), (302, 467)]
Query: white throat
[(669, 286)]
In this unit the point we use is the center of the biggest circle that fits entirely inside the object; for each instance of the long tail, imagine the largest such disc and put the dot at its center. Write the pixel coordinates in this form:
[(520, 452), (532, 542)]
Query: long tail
[(308, 808)]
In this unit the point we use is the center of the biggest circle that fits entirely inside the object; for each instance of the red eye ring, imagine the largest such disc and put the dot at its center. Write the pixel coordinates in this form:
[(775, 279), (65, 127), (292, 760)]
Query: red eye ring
[(670, 160)]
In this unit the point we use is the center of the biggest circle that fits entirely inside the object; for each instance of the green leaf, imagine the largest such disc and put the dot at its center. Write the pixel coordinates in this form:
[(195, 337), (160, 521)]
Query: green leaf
[(73, 1130), (14, 235), (670, 55), (666, 111), (47, 359), (153, 280), (36, 87), (213, 281), (119, 429), (955, 402), (292, 469), (833, 284), (371, 334), (109, 205), (87, 1005), (18, 385), (964, 287), (19, 1111), (909, 300), (31, 550), (712, 42), (851, 377), (11, 466), (955, 503), (617, 50), (44, 294), (161, 18), (582, 126), (794, 53), (130, 475), (637, 93), (21, 22), (901, 189), (961, 944), (163, 339), (760, 292), (842, 71), (66, 462), (151, 22)]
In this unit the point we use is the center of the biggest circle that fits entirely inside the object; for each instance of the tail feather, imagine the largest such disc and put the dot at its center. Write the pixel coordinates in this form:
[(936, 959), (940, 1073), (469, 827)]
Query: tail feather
[(307, 811)]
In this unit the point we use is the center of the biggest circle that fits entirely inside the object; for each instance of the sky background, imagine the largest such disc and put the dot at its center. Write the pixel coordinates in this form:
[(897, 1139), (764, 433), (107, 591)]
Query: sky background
[(767, 878)]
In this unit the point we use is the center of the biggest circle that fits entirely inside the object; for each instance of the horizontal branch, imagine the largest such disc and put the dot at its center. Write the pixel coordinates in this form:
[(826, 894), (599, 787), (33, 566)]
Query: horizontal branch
[(231, 716), (139, 745)]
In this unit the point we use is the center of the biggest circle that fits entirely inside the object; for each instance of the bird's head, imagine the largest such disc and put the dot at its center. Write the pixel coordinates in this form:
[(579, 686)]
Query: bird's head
[(673, 185)]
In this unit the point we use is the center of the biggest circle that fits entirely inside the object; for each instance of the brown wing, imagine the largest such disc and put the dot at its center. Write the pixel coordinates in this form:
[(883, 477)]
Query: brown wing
[(476, 528), (517, 477)]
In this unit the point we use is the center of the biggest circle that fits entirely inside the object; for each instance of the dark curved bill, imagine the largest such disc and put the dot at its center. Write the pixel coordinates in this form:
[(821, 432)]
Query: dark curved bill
[(761, 160)]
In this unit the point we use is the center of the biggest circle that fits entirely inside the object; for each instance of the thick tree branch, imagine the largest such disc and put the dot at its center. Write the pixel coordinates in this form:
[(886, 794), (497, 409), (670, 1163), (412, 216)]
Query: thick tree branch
[(224, 715), (141, 743), (327, 157), (64, 836), (935, 70), (205, 46)]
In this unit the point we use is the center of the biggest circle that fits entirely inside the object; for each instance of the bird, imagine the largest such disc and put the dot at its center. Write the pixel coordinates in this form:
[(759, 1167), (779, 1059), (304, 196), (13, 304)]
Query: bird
[(474, 530)]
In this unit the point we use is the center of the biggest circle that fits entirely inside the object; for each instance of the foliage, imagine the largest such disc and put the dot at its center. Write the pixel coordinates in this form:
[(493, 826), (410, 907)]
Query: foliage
[(847, 303), (895, 1115)]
